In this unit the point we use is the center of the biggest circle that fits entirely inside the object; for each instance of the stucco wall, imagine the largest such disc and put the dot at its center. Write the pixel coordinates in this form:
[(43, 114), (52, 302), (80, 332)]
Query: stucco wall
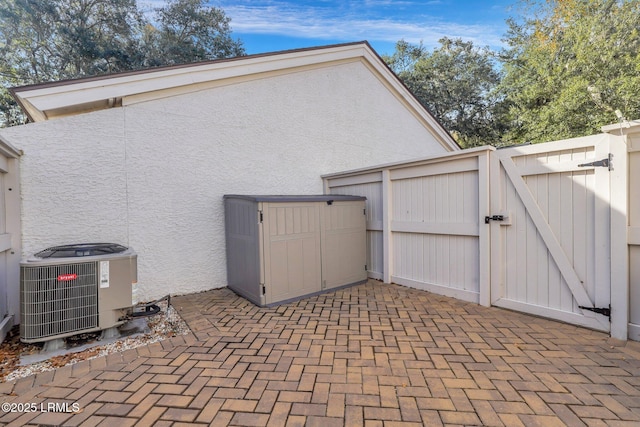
[(152, 175), (73, 171)]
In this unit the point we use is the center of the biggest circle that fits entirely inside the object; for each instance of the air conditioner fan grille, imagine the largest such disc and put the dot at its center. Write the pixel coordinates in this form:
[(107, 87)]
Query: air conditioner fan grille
[(58, 299)]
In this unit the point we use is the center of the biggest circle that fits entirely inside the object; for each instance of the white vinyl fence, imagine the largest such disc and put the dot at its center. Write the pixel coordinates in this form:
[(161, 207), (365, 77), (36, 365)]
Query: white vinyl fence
[(631, 130), (9, 238), (422, 223), (538, 228)]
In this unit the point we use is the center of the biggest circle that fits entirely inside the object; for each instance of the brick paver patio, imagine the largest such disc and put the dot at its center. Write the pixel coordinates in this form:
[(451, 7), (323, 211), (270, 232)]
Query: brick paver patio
[(374, 355)]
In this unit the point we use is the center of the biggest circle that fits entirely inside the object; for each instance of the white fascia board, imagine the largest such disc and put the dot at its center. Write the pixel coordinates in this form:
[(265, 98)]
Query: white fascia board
[(39, 100)]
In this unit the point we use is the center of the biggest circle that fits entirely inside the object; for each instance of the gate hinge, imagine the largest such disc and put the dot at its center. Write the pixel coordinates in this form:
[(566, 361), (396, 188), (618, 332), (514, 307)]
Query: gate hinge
[(493, 218), (605, 163), (599, 310), (264, 290), (261, 218)]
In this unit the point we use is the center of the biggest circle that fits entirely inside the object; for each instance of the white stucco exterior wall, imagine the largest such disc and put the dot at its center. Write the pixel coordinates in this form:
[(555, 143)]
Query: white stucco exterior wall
[(152, 175), (75, 180)]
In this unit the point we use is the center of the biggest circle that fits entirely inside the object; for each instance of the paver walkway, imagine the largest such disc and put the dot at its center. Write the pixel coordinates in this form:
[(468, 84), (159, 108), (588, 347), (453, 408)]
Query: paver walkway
[(369, 355)]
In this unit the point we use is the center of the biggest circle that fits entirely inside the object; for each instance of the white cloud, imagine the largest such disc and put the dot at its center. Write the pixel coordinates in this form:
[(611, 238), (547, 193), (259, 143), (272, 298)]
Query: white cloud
[(348, 20), (323, 23)]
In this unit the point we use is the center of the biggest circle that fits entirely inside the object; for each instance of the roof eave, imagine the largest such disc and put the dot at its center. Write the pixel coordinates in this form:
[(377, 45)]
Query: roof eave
[(47, 101)]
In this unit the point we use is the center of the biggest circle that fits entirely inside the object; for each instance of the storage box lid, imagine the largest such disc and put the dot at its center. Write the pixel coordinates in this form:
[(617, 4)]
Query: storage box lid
[(296, 198)]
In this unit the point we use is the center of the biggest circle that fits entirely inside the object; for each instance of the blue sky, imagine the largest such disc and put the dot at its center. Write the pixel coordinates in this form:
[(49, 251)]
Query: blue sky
[(273, 25)]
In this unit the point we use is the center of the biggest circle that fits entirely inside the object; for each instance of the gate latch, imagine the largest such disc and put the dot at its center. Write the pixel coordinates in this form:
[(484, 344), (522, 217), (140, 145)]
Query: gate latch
[(605, 163), (493, 218)]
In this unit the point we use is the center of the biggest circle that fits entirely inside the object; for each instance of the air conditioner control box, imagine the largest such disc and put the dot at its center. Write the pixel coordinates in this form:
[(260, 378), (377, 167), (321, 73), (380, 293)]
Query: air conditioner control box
[(115, 288)]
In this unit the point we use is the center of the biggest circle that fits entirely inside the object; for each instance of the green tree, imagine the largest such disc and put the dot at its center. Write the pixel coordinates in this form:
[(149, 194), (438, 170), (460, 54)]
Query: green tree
[(456, 82), (44, 40), (404, 59), (189, 31), (48, 40), (569, 66)]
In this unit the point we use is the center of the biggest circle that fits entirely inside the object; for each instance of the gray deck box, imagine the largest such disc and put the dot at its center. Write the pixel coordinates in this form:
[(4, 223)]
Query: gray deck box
[(282, 248)]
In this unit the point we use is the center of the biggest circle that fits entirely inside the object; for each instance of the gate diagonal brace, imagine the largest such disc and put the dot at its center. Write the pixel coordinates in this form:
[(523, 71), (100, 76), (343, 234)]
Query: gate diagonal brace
[(599, 310)]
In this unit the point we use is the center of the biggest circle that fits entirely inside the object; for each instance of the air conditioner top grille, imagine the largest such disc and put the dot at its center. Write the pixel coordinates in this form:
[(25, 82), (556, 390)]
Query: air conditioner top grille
[(81, 250)]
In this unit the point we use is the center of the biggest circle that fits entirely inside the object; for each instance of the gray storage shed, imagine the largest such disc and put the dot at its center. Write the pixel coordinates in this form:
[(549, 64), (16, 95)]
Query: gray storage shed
[(280, 248)]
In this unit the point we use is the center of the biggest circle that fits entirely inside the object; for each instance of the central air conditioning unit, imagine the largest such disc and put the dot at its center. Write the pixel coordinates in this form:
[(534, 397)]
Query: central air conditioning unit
[(73, 289)]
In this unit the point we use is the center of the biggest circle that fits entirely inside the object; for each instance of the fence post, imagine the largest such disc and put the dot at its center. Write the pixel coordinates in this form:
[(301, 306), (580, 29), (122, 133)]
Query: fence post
[(620, 298), (484, 246), (495, 245), (387, 237)]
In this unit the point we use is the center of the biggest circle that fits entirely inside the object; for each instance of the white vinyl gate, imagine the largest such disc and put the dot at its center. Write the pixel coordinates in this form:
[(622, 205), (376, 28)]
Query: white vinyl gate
[(530, 228), (9, 238), (553, 257)]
